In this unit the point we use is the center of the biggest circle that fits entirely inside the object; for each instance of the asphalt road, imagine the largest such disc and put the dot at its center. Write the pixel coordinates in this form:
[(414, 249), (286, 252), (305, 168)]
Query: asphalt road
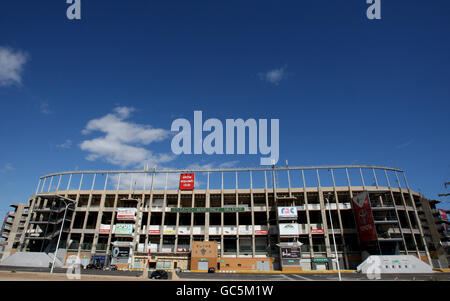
[(438, 276), (314, 277), (62, 270)]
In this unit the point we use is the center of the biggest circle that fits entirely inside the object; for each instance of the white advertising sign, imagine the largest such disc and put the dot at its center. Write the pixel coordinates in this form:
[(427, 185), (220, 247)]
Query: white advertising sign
[(289, 229), (124, 229), (104, 229), (126, 213), (287, 212)]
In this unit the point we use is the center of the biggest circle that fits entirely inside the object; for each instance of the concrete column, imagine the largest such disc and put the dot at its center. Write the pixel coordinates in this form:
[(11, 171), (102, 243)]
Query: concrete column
[(149, 213), (163, 215), (324, 216), (192, 219), (69, 236), (85, 222), (308, 220), (418, 220), (113, 217), (237, 216), (396, 211), (207, 205), (222, 243), (252, 205), (97, 224), (31, 217), (340, 221), (407, 216), (177, 220)]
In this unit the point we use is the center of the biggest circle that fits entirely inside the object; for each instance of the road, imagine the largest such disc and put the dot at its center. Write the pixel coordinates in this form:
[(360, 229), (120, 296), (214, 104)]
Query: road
[(63, 271), (312, 277), (188, 276)]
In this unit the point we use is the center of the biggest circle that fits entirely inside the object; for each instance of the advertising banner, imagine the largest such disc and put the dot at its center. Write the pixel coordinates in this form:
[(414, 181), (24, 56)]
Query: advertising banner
[(123, 229), (289, 229), (443, 214), (104, 229), (290, 253), (364, 218), (316, 231), (211, 210), (120, 252), (126, 213), (261, 230), (287, 212), (186, 181)]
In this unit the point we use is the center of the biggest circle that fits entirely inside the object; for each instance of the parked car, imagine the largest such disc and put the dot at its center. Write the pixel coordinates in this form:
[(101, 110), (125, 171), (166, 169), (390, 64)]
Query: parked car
[(159, 274), (93, 266), (211, 270)]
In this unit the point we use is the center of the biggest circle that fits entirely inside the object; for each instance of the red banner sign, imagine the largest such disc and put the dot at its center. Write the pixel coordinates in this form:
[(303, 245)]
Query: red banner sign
[(186, 181), (443, 214), (364, 218), (316, 231)]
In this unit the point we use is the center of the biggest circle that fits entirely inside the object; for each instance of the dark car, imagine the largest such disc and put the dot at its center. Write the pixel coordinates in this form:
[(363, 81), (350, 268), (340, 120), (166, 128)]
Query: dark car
[(211, 270), (93, 266), (159, 274)]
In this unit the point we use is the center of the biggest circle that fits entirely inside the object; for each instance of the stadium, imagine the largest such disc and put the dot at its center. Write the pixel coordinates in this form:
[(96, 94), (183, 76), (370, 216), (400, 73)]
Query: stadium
[(230, 219)]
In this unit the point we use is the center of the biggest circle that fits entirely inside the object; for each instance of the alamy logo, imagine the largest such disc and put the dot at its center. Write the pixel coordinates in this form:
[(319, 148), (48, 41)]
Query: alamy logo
[(374, 10), (374, 270), (74, 9), (73, 264), (213, 143)]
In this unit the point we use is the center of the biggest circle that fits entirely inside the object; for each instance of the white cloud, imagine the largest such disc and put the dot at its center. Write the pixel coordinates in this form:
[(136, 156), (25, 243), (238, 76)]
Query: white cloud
[(11, 66), (6, 168), (66, 144), (123, 141), (274, 76), (403, 145), (45, 108), (229, 164)]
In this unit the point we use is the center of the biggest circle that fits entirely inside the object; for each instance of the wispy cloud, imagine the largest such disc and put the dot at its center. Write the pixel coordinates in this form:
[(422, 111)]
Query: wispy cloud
[(403, 145), (123, 141), (45, 108), (11, 66), (67, 144), (7, 167), (139, 180), (274, 76), (229, 164)]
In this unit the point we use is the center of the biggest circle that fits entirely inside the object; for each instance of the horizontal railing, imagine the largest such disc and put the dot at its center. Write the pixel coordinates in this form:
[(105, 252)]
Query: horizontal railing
[(53, 182)]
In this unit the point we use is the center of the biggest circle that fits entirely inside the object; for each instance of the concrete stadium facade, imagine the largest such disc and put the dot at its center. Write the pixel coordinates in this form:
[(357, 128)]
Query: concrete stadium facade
[(144, 216)]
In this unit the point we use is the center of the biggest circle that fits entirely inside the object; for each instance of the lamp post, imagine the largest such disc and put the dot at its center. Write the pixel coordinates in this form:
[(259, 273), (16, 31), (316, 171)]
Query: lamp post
[(60, 232), (334, 239)]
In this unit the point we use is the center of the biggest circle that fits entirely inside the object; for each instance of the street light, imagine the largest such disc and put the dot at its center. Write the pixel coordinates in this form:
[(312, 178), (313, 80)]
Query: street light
[(334, 239), (60, 232)]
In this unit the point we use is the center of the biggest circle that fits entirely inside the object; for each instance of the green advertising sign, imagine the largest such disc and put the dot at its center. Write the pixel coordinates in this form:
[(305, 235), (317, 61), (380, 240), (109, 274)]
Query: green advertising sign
[(320, 260), (200, 210)]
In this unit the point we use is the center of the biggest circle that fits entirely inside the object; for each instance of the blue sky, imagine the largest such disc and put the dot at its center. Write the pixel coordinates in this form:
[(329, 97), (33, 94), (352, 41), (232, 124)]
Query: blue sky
[(347, 90)]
